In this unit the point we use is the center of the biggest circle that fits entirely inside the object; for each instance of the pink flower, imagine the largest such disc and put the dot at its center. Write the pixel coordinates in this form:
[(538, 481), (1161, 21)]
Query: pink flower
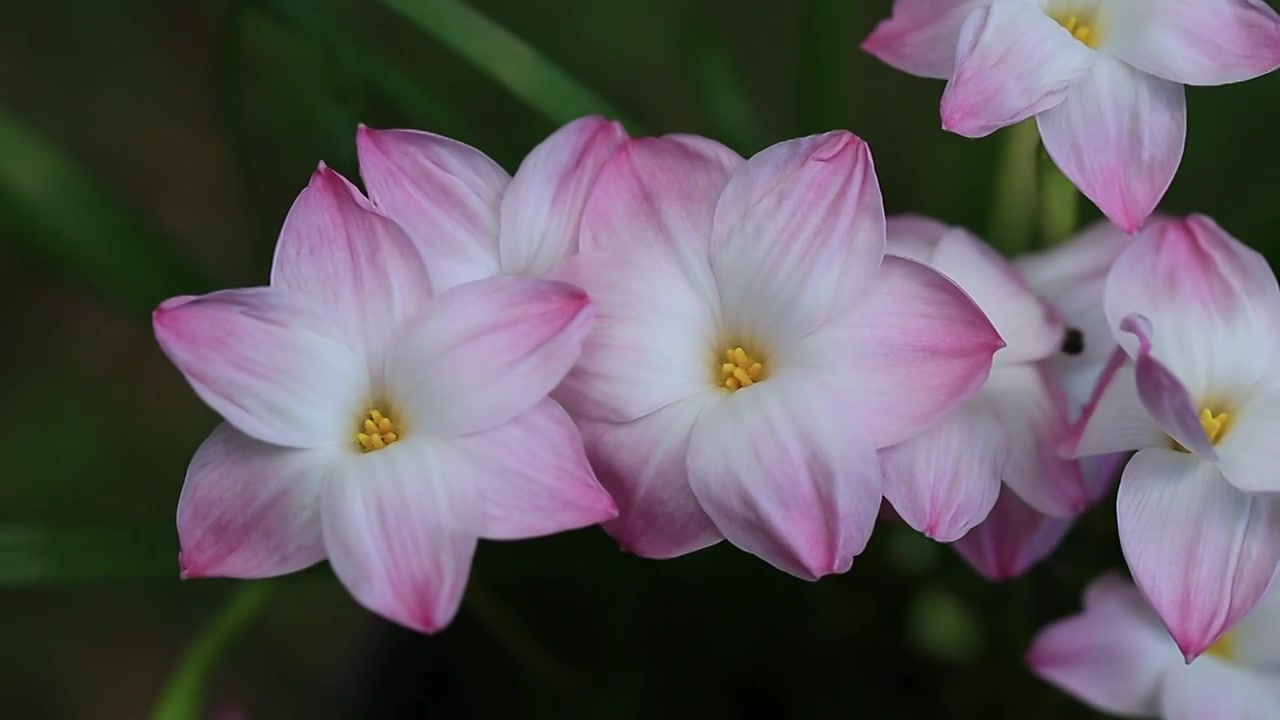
[(1193, 389), (472, 219), (1071, 277), (1115, 657), (945, 481), (1103, 78), (372, 421), (754, 347)]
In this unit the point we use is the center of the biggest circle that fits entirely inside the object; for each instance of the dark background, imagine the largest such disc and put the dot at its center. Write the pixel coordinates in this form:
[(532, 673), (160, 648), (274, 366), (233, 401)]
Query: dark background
[(202, 120)]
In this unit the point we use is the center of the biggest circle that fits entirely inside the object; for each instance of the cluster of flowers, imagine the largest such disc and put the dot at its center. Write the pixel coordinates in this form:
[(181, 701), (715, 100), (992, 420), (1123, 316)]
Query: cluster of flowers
[(658, 336)]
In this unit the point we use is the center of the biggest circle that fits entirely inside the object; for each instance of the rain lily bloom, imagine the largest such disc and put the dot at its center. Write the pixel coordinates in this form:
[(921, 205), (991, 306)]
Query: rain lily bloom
[(1194, 389), (1117, 658), (373, 421), (945, 480), (754, 346), (1103, 78), (469, 216), (1071, 277)]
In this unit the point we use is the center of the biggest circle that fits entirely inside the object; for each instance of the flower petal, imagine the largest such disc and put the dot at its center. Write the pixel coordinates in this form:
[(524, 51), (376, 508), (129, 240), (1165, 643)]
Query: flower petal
[(1199, 42), (652, 342), (267, 361), (1031, 329), (796, 227), (1115, 420), (1118, 136), (249, 509), (1256, 638), (1013, 538), (1012, 61), (1210, 688), (485, 352), (1202, 552), (1213, 303), (773, 470), (533, 476), (355, 264), (1164, 395), (445, 194), (644, 465), (1032, 409), (400, 526), (917, 348), (542, 208), (1248, 453), (945, 481), (1112, 655), (920, 37)]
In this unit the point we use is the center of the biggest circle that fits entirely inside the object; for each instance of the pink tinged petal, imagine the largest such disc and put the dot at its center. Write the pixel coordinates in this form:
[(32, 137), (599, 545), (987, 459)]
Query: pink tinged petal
[(1115, 420), (945, 481), (1012, 61), (1248, 453), (1112, 656), (356, 264), (644, 466), (485, 352), (774, 471), (652, 344), (249, 509), (1164, 395), (920, 37), (533, 476), (1012, 540), (445, 194), (1118, 136), (1201, 42), (1032, 408), (798, 233), (1210, 689), (914, 350), (400, 526), (267, 361), (1202, 552), (542, 208), (1213, 303)]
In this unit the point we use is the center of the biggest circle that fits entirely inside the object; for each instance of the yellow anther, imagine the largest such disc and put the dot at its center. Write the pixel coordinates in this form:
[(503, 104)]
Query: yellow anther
[(1082, 26), (741, 370), (1215, 425), (376, 431), (1224, 648)]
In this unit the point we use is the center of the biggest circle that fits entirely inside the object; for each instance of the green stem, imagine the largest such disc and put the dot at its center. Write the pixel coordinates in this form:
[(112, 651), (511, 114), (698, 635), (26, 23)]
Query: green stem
[(1012, 226), (536, 658), (1058, 203), (184, 696)]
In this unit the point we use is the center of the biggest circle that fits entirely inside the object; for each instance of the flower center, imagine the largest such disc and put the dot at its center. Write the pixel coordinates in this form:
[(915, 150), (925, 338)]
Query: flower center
[(1224, 648), (1215, 425), (1081, 24), (739, 369), (376, 431)]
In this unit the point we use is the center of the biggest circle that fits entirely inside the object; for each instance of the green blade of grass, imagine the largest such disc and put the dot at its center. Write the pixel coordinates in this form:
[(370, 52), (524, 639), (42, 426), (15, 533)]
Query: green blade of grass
[(509, 60), (54, 212)]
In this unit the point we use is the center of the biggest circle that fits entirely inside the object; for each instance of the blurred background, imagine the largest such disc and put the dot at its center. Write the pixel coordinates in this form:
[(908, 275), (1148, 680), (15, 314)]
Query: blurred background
[(152, 148)]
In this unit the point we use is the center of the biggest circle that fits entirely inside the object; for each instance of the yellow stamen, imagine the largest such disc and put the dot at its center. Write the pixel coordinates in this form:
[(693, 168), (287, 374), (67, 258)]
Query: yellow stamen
[(741, 370), (376, 432), (1215, 425), (1224, 648), (1081, 24)]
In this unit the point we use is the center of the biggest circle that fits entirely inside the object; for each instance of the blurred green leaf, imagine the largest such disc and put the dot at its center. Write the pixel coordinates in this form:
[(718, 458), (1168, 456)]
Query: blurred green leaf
[(826, 64), (184, 696), (513, 63), (53, 555), (1058, 202), (721, 90), (55, 212), (1012, 226)]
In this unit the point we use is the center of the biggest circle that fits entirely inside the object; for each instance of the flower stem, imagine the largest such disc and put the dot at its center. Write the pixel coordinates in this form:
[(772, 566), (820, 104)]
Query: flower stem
[(1058, 203), (184, 695), (1013, 211)]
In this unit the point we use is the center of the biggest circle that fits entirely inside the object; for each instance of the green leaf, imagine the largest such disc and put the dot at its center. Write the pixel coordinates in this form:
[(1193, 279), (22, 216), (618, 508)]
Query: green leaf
[(1012, 226), (184, 696), (512, 62), (53, 211), (50, 555)]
